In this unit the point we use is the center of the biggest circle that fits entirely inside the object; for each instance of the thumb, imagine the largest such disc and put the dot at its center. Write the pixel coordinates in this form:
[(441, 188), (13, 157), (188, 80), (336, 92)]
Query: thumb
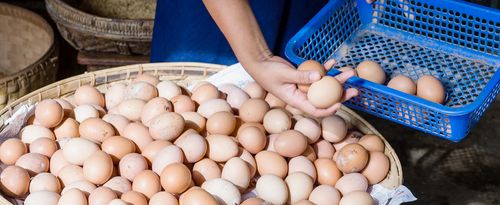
[(305, 77)]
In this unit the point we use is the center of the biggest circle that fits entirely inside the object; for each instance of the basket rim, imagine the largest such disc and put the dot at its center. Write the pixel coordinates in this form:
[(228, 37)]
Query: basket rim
[(32, 17), (97, 25)]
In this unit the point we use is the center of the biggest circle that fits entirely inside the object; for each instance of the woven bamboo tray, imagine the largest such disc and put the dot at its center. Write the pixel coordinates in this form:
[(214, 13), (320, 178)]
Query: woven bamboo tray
[(88, 32), (184, 74), (28, 56)]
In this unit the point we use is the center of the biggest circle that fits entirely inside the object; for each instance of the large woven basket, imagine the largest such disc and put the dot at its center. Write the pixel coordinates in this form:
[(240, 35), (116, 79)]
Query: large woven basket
[(93, 33), (28, 56), (184, 74)]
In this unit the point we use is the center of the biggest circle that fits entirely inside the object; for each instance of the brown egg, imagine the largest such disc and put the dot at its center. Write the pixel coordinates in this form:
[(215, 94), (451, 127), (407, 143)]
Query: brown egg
[(11, 149), (14, 181), (176, 178), (352, 158), (254, 90), (118, 121), (309, 128), (83, 112), (197, 196), (310, 153), (210, 107), (310, 65), (325, 194), (272, 189), (168, 89), (119, 185), (193, 120), (183, 103), (131, 109), (372, 143), (98, 168), (117, 147), (102, 196), (83, 185), (253, 201), (141, 90), (290, 143), (87, 94), (299, 186), (34, 163), (139, 134), (49, 113), (357, 198), (134, 198), (96, 130), (352, 137), (302, 164), (317, 96), (221, 148), (235, 95), (73, 197), (148, 78), (252, 139), (70, 174), (166, 126), (205, 169), (32, 132), (334, 128), (163, 198), (377, 168), (252, 124), (237, 172), (131, 165), (274, 102), (327, 171), (430, 88), (115, 95), (147, 183), (403, 84), (57, 162), (194, 146), (152, 148), (168, 155), (276, 121), (155, 107), (67, 128), (371, 71), (253, 110), (352, 182), (222, 123), (78, 149), (324, 149), (205, 92), (67, 107), (271, 163), (43, 146)]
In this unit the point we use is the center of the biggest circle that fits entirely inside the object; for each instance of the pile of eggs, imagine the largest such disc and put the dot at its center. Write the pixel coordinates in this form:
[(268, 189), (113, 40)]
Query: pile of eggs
[(153, 142)]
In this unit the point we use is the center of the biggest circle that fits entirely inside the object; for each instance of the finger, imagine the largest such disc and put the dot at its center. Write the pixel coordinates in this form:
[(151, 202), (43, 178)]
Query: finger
[(346, 68), (334, 108), (309, 109), (303, 77), (349, 93), (342, 77), (329, 64)]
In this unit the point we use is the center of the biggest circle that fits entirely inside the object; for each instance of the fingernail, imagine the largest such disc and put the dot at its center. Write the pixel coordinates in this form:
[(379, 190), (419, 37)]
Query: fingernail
[(314, 76)]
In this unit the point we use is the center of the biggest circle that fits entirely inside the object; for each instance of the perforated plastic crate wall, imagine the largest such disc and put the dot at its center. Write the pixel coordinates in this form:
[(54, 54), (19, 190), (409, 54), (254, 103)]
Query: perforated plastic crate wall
[(455, 41)]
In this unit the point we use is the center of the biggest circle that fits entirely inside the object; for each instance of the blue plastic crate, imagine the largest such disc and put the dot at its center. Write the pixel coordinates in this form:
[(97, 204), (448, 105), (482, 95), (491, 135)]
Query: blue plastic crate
[(455, 41)]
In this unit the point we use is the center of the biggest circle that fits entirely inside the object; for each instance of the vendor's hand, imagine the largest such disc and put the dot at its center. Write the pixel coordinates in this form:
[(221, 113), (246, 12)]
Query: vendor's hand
[(280, 78)]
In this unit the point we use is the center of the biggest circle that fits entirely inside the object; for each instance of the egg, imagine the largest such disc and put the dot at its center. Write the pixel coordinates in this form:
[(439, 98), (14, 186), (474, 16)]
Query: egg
[(403, 84), (117, 147), (73, 197), (252, 139), (132, 109), (310, 153), (14, 181), (119, 185), (371, 71), (98, 168), (251, 124), (431, 89), (352, 158), (351, 137), (357, 198), (163, 198), (327, 171), (168, 89), (96, 130), (272, 189), (372, 143), (277, 121), (271, 163), (319, 98), (334, 128), (204, 93), (43, 146), (223, 191), (34, 163), (77, 150), (139, 134), (153, 148), (303, 165), (155, 107), (134, 198), (253, 110), (183, 103), (147, 183), (83, 185), (352, 182), (377, 168), (254, 201), (299, 186), (66, 106), (87, 94), (324, 149), (115, 95), (237, 172), (254, 90), (168, 155), (274, 102), (194, 147), (309, 128), (144, 77), (32, 132), (131, 165), (210, 107), (57, 162), (45, 182), (42, 198), (70, 173), (11, 149), (67, 128), (83, 112), (250, 161), (176, 178), (166, 126), (325, 195), (235, 95), (310, 65), (221, 148), (102, 196), (49, 113), (290, 143), (141, 90), (204, 170), (222, 123), (196, 196), (99, 109), (193, 120)]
